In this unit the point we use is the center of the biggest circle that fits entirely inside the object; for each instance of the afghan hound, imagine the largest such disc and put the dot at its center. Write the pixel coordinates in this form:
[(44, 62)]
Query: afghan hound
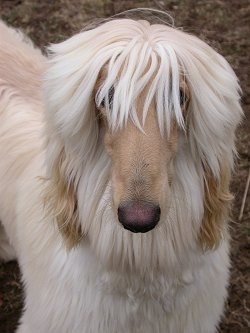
[(116, 153)]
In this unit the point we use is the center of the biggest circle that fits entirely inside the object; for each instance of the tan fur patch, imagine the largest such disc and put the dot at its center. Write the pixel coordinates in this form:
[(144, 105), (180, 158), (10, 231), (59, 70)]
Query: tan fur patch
[(141, 161), (217, 206), (61, 203)]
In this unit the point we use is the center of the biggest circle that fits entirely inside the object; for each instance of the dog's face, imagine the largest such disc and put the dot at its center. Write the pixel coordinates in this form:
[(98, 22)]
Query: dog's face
[(141, 134), (142, 167)]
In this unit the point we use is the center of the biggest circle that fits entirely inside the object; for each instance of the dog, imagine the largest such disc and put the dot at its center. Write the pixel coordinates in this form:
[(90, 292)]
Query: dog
[(116, 157)]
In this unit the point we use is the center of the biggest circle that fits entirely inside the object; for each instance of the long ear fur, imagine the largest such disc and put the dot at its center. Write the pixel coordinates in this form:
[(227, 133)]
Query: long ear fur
[(72, 129), (61, 202), (217, 201), (214, 115)]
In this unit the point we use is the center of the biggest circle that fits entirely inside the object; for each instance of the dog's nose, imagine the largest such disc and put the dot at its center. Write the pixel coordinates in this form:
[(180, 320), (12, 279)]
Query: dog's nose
[(139, 216)]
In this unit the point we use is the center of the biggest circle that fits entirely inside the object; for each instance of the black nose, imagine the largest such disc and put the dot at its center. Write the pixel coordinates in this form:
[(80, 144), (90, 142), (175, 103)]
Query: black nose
[(139, 216)]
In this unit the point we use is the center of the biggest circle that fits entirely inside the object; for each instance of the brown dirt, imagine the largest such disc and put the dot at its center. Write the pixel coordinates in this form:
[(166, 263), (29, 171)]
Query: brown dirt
[(225, 26)]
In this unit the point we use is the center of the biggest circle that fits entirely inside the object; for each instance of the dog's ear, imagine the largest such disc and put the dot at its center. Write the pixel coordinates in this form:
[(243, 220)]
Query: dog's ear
[(217, 199), (72, 127), (61, 201), (213, 115)]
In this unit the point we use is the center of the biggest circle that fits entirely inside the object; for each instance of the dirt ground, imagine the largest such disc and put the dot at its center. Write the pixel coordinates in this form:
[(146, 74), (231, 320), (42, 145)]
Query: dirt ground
[(223, 24)]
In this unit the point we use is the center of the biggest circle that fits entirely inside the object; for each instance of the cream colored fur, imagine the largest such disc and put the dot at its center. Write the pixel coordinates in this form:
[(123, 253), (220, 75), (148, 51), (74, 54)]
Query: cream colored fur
[(82, 272)]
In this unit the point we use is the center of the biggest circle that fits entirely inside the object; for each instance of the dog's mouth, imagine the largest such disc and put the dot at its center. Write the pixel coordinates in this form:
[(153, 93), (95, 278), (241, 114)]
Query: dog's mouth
[(139, 216)]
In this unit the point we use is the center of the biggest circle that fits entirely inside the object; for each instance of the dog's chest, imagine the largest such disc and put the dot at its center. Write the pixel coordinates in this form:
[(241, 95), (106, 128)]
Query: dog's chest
[(117, 302), (140, 292)]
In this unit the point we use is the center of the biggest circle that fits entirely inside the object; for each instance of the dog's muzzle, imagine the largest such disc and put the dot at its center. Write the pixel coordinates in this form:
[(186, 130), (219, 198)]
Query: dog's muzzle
[(139, 216)]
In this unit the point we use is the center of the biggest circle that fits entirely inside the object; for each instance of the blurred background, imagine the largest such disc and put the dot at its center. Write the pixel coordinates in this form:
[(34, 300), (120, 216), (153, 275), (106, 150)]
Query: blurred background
[(225, 25)]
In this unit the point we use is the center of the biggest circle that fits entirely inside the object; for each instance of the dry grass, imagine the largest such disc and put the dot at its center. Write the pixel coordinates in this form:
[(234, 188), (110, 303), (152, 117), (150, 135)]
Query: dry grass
[(225, 26)]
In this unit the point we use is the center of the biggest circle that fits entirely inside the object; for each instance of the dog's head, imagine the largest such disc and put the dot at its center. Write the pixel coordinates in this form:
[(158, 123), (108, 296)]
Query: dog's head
[(141, 121)]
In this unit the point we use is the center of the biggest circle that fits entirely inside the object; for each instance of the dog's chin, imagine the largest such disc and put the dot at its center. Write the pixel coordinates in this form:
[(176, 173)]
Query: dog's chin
[(129, 251)]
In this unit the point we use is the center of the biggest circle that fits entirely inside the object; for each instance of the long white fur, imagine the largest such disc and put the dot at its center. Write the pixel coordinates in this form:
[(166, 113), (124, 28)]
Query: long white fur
[(114, 281)]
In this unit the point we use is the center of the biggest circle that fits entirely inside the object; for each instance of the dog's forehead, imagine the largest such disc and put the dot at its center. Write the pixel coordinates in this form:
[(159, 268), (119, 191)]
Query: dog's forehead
[(140, 78), (103, 74)]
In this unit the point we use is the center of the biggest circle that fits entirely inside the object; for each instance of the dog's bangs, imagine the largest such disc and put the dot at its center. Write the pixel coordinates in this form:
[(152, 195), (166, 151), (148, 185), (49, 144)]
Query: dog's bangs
[(142, 67)]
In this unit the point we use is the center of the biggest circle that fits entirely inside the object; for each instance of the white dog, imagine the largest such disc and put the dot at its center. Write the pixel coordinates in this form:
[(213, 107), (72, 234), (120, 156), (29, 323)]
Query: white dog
[(114, 183)]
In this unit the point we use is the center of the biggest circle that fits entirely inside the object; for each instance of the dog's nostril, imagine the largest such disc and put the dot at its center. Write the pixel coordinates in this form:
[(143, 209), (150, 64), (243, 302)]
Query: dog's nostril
[(139, 216)]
